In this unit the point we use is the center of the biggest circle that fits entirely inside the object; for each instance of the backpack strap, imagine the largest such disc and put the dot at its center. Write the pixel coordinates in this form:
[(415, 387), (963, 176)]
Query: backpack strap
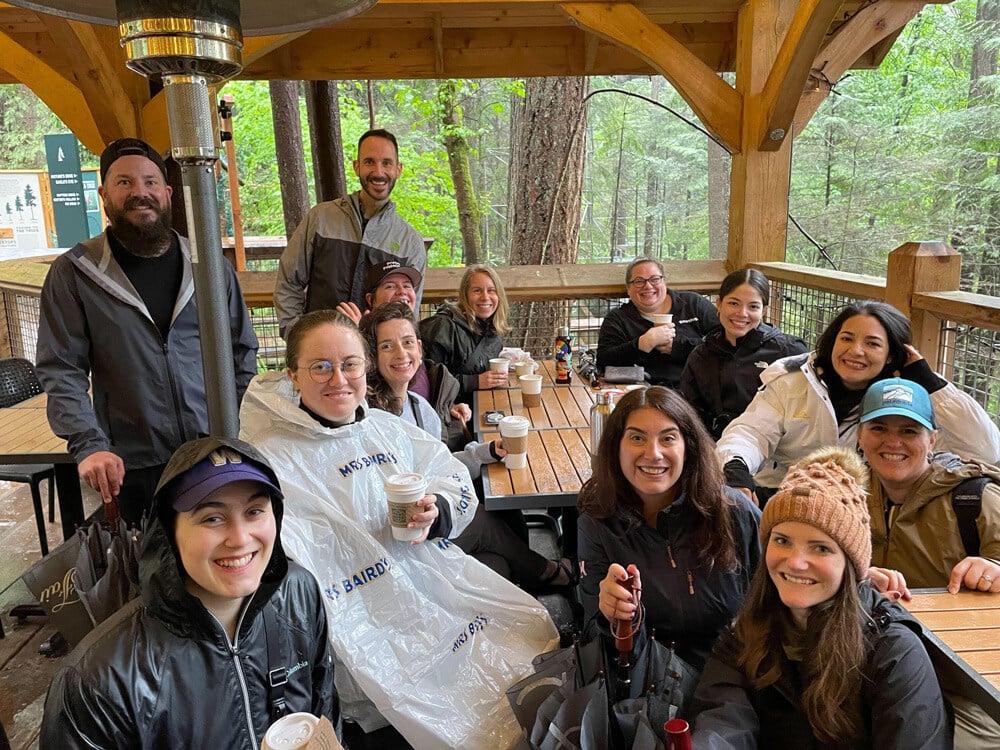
[(967, 501), (277, 676)]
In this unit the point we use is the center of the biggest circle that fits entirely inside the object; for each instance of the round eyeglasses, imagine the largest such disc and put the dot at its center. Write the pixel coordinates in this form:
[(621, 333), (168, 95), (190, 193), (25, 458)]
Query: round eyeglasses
[(323, 370)]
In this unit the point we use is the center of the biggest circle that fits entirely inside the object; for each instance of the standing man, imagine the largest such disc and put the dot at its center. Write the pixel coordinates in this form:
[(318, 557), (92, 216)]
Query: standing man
[(328, 258), (119, 352), (629, 337)]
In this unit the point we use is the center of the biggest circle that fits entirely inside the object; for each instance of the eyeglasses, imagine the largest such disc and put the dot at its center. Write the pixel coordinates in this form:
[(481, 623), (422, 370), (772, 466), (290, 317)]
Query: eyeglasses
[(639, 283), (322, 371)]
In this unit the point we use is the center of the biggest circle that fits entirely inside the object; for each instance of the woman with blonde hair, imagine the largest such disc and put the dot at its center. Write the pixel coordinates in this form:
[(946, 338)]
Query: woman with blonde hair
[(817, 658), (464, 336)]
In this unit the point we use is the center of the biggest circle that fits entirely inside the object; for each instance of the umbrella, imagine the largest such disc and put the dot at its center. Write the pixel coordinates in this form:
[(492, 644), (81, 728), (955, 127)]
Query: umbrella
[(88, 577), (579, 698)]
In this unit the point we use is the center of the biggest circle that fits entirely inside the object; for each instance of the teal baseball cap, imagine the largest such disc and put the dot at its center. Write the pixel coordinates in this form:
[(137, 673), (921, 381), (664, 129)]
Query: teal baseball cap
[(898, 396)]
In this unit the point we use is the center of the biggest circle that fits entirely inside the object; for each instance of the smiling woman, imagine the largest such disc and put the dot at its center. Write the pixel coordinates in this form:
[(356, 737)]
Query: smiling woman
[(810, 401), (816, 658), (657, 487)]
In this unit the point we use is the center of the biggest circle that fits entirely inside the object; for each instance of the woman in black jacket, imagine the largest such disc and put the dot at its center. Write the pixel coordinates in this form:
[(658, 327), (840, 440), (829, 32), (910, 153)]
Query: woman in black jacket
[(722, 374), (816, 658), (465, 336), (187, 664)]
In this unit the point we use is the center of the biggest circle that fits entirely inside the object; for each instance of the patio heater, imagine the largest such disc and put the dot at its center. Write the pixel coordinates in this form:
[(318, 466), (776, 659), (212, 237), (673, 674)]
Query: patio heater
[(190, 45)]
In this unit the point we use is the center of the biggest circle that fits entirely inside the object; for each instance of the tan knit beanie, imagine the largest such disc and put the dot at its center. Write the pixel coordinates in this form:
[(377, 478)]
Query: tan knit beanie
[(826, 489)]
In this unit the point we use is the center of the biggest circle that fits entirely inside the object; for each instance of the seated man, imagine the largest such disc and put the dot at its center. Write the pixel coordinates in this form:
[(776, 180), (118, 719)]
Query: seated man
[(386, 282), (187, 665), (630, 337), (920, 536)]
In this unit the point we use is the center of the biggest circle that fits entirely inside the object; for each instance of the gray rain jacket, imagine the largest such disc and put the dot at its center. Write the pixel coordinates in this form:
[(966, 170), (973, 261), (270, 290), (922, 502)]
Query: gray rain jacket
[(148, 394)]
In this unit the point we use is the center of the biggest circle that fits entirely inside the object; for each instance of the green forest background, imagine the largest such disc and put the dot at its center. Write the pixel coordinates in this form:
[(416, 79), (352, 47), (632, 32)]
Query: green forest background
[(905, 153)]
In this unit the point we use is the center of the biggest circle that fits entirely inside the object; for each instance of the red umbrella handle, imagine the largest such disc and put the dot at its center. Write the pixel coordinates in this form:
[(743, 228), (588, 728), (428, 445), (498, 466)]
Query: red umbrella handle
[(112, 515)]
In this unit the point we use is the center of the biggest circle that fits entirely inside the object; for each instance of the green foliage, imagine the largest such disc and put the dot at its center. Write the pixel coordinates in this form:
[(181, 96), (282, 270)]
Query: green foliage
[(24, 119)]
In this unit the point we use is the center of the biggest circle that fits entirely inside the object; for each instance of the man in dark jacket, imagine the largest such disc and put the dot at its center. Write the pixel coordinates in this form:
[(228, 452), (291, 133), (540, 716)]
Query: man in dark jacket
[(630, 337), (119, 350), (222, 611)]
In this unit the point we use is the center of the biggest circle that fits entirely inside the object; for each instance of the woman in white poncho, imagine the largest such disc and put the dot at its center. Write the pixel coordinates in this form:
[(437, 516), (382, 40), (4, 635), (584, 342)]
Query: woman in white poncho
[(428, 637)]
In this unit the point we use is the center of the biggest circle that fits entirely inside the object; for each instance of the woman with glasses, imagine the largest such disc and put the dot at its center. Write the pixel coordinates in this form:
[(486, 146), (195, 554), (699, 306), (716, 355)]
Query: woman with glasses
[(629, 335), (397, 609), (465, 336)]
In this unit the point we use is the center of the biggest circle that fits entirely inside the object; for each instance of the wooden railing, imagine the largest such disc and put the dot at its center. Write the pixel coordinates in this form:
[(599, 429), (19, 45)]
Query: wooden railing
[(922, 281)]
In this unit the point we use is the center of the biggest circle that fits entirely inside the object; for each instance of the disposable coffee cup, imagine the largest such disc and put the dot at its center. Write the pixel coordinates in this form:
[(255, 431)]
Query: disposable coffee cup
[(525, 367), (301, 731), (500, 364), (663, 319), (514, 431), (403, 491), (531, 389)]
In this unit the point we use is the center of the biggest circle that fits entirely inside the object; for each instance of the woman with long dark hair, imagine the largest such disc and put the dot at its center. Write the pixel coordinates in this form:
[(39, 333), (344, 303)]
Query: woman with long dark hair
[(810, 401), (722, 375), (656, 508), (816, 658)]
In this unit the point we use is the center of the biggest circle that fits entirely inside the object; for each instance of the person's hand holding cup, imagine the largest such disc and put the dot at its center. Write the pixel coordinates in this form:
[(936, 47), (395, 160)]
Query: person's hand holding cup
[(514, 434), (411, 510)]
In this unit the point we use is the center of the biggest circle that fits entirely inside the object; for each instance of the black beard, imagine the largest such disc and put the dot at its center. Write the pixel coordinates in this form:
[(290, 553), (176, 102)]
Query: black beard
[(149, 240)]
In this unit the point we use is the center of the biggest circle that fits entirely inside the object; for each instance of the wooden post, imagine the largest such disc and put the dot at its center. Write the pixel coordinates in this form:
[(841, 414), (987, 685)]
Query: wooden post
[(226, 133), (758, 204), (924, 267)]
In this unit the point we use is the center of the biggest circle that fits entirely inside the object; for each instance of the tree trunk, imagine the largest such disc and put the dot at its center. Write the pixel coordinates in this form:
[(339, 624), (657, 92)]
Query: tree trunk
[(323, 107), (289, 153), (457, 146), (547, 149)]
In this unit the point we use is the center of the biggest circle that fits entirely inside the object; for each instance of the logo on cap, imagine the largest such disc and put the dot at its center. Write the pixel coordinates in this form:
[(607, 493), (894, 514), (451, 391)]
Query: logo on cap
[(899, 394), (223, 456)]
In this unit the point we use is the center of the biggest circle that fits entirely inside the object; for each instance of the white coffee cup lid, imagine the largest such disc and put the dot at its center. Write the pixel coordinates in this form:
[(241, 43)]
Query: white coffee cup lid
[(291, 731), (405, 482), (516, 421)]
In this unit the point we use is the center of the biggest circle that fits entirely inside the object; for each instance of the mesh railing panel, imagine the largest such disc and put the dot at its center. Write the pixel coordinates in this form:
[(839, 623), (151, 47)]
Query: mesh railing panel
[(21, 323), (969, 358), (803, 312)]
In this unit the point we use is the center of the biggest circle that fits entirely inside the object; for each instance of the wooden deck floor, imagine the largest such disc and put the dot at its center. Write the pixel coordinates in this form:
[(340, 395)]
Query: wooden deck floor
[(24, 673)]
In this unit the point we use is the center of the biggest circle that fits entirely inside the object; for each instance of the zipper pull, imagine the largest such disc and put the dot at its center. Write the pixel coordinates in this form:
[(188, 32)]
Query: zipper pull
[(690, 583), (670, 554)]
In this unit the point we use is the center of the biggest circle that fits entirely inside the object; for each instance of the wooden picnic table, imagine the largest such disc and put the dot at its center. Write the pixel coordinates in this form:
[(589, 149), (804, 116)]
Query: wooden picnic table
[(558, 444), (26, 438), (964, 633)]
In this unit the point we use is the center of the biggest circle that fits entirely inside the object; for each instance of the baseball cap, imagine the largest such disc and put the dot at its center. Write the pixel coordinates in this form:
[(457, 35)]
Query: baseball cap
[(377, 273), (129, 147), (200, 467), (898, 396)]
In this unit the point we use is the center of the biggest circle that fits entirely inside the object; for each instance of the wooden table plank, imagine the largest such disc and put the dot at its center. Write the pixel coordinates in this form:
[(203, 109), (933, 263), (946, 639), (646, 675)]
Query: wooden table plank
[(961, 619)]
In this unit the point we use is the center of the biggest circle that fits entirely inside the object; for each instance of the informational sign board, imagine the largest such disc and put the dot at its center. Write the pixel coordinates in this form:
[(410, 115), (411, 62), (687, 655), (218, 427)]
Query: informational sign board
[(62, 153), (22, 223)]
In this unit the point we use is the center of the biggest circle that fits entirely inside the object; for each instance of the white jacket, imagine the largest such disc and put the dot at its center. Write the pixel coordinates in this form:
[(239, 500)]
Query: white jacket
[(792, 415), (424, 632)]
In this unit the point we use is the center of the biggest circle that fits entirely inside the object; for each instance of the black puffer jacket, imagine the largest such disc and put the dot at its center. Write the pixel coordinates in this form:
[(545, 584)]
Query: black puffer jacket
[(465, 350), (720, 380), (162, 673), (902, 705)]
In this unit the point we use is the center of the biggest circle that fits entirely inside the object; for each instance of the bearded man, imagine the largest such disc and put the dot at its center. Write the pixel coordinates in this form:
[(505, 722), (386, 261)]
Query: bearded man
[(329, 257), (119, 352)]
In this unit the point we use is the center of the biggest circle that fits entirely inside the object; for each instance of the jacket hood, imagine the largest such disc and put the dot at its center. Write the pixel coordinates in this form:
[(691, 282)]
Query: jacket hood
[(450, 310), (942, 478), (161, 573), (716, 338)]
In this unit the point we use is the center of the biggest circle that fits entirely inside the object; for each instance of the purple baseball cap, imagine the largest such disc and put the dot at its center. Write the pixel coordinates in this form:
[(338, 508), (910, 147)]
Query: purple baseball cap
[(220, 467)]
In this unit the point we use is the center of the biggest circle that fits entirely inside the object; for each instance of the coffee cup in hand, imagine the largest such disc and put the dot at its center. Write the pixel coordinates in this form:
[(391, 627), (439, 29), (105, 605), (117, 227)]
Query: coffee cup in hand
[(403, 491), (514, 431), (661, 319), (500, 364)]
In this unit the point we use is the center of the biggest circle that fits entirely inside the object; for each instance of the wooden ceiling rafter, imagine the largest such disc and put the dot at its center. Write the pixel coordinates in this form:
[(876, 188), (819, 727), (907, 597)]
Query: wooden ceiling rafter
[(868, 29), (715, 102)]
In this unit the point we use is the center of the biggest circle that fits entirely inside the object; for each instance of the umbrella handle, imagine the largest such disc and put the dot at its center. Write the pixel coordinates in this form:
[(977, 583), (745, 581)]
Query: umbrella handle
[(112, 515), (623, 630)]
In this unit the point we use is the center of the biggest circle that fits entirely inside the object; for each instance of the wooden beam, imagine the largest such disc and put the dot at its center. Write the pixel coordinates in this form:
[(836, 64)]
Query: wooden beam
[(155, 128), (97, 71), (438, 46), (867, 29), (717, 105), (255, 47), (59, 94), (790, 71)]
